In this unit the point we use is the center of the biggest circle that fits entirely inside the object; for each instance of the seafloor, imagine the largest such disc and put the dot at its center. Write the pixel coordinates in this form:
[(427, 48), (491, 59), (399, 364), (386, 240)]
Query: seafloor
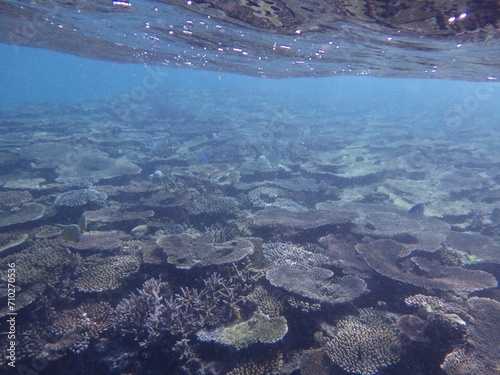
[(207, 237)]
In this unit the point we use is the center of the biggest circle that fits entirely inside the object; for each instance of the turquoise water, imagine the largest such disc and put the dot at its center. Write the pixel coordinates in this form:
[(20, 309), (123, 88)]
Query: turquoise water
[(177, 221)]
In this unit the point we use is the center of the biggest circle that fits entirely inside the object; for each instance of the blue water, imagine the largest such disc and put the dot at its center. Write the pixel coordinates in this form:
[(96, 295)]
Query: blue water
[(31, 75)]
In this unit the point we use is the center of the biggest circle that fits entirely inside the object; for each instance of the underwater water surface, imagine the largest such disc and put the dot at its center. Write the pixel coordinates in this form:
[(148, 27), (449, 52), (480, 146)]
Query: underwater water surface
[(158, 220)]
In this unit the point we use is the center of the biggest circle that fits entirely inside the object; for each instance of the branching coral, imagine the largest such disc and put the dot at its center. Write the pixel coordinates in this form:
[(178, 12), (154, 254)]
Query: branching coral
[(154, 312), (363, 344)]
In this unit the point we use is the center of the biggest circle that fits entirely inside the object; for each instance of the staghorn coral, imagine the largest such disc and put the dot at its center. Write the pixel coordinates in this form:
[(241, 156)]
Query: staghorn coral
[(295, 256), (23, 214), (363, 344), (151, 314), (97, 273), (140, 313), (315, 283), (187, 250), (276, 217), (258, 329), (192, 308), (97, 241), (211, 204), (14, 198), (80, 197), (387, 258)]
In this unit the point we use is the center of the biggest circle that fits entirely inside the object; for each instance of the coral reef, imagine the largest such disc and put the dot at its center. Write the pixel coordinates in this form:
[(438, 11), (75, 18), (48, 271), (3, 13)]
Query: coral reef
[(14, 198), (46, 262), (301, 220), (97, 273), (221, 236), (316, 283), (258, 329), (295, 256), (95, 164), (80, 182), (140, 313), (363, 344), (198, 249), (270, 364), (97, 241), (211, 204), (81, 197), (23, 214), (481, 354), (153, 312), (265, 302), (315, 362), (73, 329), (117, 214), (385, 257)]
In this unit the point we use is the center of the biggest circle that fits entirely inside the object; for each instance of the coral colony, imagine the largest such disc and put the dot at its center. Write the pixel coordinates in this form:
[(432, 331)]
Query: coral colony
[(219, 268)]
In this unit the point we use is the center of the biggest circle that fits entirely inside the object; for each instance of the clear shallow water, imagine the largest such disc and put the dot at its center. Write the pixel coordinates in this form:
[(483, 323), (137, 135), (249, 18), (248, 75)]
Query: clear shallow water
[(163, 155)]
